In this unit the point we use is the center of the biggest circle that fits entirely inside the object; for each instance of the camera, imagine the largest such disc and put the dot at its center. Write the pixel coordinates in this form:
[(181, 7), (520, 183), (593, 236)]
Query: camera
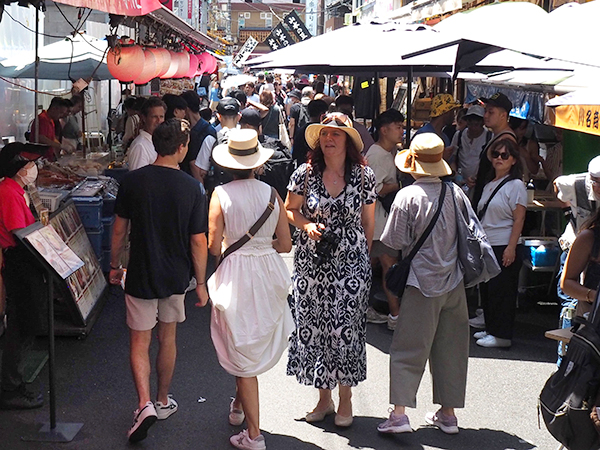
[(325, 247)]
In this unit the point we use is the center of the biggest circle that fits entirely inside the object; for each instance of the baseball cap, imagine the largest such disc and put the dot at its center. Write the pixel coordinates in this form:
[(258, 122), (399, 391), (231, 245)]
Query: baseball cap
[(228, 106), (250, 117), (442, 103), (295, 93), (475, 110), (500, 100)]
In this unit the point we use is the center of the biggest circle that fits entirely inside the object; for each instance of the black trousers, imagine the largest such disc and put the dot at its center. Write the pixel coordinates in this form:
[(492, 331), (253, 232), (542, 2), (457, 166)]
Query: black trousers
[(499, 296), (26, 294)]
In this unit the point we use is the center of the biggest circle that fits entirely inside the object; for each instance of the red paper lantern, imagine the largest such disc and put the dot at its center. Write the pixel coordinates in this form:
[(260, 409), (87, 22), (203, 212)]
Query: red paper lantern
[(193, 67), (163, 60), (149, 71), (184, 64), (208, 63), (125, 62), (173, 67)]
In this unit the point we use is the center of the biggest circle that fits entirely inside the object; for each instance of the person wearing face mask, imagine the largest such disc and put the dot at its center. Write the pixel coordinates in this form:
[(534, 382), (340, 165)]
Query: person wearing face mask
[(23, 278)]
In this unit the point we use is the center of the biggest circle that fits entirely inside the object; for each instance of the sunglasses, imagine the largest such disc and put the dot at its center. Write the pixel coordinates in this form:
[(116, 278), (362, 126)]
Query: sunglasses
[(340, 119), (503, 155)]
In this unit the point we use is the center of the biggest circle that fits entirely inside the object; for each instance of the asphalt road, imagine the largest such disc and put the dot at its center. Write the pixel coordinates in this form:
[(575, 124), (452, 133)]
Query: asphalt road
[(94, 386)]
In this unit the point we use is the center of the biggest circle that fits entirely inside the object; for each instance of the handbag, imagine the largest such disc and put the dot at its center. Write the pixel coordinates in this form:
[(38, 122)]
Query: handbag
[(387, 200), (252, 231), (397, 276), (476, 256), (284, 137)]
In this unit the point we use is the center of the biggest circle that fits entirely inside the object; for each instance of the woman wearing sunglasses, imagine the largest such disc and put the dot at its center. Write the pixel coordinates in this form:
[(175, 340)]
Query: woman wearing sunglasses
[(331, 200), (502, 214)]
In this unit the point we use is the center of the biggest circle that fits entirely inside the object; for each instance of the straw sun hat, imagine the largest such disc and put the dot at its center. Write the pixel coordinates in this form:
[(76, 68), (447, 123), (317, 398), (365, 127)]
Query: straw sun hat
[(424, 156), (333, 120), (242, 151)]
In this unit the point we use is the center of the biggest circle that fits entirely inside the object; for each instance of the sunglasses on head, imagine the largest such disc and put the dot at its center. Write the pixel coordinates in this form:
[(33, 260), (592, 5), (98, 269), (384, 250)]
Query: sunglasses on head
[(503, 155), (340, 119)]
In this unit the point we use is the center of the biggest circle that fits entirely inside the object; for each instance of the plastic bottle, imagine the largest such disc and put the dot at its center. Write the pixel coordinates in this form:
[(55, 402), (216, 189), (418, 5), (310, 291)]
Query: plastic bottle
[(530, 191), (458, 178)]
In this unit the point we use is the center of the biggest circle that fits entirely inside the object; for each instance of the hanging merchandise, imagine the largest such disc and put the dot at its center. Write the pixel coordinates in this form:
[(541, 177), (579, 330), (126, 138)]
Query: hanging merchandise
[(173, 67), (184, 64), (191, 73), (125, 61), (149, 71), (163, 60)]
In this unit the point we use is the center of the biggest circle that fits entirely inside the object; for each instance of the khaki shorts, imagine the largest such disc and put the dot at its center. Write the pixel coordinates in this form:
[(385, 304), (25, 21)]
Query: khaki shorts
[(142, 314), (378, 248)]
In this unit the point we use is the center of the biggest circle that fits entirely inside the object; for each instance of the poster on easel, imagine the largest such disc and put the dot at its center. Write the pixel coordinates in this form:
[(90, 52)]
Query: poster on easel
[(87, 283), (54, 250)]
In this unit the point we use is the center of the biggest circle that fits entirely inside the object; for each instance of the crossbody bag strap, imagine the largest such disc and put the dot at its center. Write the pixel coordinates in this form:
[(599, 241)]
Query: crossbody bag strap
[(429, 228), (253, 229), (485, 207)]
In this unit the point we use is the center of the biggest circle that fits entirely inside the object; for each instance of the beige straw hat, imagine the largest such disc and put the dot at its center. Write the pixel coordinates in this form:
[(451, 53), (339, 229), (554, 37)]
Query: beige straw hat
[(333, 120), (425, 156)]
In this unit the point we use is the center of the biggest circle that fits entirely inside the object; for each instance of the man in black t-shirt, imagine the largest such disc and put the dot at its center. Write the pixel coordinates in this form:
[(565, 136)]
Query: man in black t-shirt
[(201, 129), (167, 211)]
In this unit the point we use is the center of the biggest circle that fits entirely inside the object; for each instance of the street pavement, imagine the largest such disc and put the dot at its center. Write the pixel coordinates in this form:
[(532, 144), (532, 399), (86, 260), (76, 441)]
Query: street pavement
[(94, 386)]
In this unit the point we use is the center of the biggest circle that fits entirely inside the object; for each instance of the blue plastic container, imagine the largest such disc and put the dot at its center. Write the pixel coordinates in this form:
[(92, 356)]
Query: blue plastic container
[(544, 256), (90, 211), (95, 237), (107, 224)]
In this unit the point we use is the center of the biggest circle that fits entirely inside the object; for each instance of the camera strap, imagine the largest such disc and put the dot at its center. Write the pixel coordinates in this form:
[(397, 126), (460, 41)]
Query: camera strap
[(252, 231)]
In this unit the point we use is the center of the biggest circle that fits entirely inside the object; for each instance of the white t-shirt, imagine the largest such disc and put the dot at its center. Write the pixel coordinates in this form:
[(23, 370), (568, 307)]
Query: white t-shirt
[(470, 151), (141, 152), (382, 163), (498, 220), (203, 158)]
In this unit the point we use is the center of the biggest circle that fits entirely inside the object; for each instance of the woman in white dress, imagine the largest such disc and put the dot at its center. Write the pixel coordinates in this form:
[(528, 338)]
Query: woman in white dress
[(251, 319)]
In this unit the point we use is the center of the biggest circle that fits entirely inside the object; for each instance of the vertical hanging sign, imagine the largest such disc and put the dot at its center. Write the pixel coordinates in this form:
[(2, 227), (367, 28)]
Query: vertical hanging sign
[(294, 23), (282, 35), (311, 14)]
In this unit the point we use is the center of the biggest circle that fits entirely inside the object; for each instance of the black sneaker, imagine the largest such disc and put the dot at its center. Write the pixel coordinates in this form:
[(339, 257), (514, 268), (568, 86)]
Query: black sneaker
[(142, 420), (21, 398)]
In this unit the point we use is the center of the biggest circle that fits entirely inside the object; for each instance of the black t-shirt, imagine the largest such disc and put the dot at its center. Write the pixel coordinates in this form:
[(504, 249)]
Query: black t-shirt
[(165, 206)]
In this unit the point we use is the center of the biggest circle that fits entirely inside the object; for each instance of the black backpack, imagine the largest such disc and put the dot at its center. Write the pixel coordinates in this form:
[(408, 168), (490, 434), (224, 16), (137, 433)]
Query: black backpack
[(571, 393)]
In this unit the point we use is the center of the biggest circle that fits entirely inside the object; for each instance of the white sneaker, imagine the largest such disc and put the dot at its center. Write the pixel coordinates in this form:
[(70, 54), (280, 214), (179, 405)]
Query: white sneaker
[(142, 420), (375, 317), (477, 322), (165, 411), (243, 441), (490, 341), (480, 334), (391, 322), (236, 416)]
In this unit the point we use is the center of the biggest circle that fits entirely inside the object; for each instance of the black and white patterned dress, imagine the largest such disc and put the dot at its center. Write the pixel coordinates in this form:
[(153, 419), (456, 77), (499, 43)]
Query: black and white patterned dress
[(329, 302)]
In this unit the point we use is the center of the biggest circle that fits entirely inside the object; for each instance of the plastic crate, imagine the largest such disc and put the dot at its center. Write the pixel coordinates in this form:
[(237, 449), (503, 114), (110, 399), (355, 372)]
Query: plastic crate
[(544, 251), (52, 199), (107, 224), (116, 173), (95, 237), (108, 206), (90, 211)]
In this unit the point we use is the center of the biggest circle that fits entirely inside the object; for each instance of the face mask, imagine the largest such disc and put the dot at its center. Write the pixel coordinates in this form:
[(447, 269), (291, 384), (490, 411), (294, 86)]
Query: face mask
[(30, 175)]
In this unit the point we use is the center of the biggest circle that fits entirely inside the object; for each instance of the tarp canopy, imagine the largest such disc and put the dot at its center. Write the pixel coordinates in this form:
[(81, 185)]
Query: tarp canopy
[(351, 50), (120, 7), (568, 33), (72, 58)]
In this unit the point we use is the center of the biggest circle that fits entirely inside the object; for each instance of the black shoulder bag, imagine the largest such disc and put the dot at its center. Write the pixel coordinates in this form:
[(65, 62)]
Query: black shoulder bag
[(481, 213), (396, 277)]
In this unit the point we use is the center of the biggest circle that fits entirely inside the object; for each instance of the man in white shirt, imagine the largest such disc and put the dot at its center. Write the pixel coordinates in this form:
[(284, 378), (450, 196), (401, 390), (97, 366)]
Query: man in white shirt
[(228, 113), (141, 152), (469, 143)]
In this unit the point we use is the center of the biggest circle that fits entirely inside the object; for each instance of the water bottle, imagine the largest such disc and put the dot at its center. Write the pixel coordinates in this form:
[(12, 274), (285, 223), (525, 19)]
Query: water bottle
[(458, 178), (530, 192)]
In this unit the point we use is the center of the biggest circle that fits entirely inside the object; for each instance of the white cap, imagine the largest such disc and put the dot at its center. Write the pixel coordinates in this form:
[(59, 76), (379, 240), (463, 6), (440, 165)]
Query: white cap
[(594, 167), (475, 110)]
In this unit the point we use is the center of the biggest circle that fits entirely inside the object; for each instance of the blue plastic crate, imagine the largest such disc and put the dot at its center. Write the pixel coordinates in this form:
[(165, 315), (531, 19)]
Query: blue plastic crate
[(90, 211), (95, 237), (107, 224)]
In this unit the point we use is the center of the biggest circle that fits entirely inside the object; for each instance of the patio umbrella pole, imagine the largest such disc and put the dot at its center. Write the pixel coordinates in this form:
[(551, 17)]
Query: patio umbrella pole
[(36, 131), (409, 105)]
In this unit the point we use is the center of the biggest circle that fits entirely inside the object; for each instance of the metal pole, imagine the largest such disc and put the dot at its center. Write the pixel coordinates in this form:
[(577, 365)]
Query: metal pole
[(36, 131), (52, 382), (409, 105)]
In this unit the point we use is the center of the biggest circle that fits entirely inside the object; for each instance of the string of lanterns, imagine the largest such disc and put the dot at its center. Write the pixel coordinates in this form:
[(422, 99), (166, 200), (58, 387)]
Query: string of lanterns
[(129, 62)]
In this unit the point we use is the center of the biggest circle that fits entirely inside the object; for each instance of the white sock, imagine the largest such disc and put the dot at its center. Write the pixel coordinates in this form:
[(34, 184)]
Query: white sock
[(392, 317)]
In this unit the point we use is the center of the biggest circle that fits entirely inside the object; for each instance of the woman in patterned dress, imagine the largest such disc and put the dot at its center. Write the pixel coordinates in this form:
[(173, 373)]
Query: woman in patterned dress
[(331, 200)]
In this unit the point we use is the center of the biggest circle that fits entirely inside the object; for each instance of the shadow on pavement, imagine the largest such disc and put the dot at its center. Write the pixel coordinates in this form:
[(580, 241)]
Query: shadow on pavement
[(362, 434)]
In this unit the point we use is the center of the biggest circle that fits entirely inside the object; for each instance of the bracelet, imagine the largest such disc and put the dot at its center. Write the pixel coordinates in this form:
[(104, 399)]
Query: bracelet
[(116, 268), (587, 296)]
